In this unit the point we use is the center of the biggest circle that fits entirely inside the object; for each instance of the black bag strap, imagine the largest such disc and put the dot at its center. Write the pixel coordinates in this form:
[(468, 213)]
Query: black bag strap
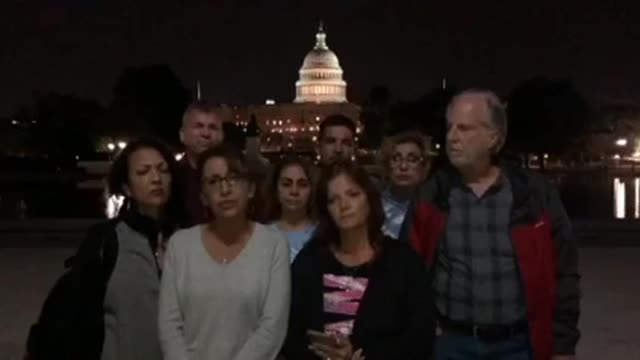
[(100, 246)]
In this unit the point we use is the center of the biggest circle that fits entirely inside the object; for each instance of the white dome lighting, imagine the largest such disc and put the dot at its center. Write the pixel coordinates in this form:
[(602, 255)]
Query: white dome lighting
[(321, 75)]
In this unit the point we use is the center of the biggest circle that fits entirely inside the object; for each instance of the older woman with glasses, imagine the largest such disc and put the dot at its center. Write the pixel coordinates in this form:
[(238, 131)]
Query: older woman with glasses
[(406, 159), (226, 284)]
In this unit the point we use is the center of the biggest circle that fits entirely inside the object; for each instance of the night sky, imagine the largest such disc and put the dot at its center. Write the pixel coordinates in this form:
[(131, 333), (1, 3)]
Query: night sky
[(247, 51)]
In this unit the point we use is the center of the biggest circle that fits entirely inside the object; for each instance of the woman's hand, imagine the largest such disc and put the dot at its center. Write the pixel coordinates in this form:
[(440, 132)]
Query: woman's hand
[(339, 348)]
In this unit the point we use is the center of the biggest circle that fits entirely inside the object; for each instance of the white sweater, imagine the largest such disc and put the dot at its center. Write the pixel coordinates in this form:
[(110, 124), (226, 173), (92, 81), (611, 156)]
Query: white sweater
[(234, 311)]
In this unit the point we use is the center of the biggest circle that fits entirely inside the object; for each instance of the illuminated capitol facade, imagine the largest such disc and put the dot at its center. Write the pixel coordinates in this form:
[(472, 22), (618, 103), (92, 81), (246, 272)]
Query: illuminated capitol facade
[(320, 91)]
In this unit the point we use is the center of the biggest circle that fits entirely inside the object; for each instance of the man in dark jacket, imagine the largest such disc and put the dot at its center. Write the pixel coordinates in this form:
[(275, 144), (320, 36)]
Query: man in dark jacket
[(498, 244), (201, 130)]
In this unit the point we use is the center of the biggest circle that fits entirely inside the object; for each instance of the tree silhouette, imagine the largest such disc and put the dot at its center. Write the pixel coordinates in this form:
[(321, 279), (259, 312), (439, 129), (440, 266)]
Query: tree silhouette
[(546, 116), (62, 126), (375, 116), (148, 100)]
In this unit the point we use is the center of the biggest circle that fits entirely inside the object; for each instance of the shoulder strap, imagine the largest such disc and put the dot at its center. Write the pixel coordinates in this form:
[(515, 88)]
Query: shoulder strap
[(109, 248), (99, 248)]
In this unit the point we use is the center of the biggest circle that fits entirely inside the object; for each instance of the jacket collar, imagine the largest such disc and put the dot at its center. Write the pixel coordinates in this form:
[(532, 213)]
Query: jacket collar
[(519, 179), (147, 226)]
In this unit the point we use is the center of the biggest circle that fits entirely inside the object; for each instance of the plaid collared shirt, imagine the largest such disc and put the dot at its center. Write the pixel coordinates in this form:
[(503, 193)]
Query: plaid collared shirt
[(476, 276)]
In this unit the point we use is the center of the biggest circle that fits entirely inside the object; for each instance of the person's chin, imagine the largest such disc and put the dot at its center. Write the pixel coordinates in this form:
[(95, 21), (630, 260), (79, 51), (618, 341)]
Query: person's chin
[(402, 183), (227, 213), (292, 207)]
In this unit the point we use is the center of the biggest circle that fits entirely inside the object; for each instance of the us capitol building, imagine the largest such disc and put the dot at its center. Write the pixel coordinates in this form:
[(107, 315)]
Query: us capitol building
[(320, 91)]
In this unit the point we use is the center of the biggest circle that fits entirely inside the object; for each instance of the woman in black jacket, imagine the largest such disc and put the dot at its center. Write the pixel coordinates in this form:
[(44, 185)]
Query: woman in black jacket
[(106, 306), (356, 293)]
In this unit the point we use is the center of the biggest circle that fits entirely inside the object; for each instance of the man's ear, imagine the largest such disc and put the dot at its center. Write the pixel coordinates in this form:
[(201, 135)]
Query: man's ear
[(497, 142)]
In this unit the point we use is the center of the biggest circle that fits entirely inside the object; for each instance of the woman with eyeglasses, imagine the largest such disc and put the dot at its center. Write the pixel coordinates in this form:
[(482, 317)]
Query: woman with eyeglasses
[(355, 292), (289, 208), (406, 159), (226, 289)]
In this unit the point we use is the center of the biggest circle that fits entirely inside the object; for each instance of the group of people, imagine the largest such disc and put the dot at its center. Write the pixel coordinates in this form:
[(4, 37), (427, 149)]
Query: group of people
[(294, 261)]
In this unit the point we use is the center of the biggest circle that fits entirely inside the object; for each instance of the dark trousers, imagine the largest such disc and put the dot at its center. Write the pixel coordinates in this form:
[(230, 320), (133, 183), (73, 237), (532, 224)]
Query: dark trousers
[(453, 346)]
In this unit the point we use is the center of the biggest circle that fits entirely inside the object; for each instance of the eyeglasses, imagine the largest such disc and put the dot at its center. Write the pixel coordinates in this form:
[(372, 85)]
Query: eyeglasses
[(410, 159), (215, 182)]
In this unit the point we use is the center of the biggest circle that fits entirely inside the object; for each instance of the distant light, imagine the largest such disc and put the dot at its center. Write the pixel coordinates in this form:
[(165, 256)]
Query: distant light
[(619, 197), (270, 102), (438, 146), (288, 121), (546, 156), (357, 139), (77, 157), (358, 130), (290, 145), (621, 142), (244, 129), (616, 157), (14, 122), (179, 156), (317, 118), (111, 146), (114, 203), (280, 122), (122, 144), (636, 154), (315, 138)]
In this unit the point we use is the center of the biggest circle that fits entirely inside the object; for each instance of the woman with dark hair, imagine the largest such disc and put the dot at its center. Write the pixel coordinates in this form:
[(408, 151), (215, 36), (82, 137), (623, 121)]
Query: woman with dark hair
[(145, 174), (289, 208), (226, 284), (106, 305), (355, 292)]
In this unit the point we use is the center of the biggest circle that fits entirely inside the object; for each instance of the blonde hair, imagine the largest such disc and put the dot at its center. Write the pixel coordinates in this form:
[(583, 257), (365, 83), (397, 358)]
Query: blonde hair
[(422, 141)]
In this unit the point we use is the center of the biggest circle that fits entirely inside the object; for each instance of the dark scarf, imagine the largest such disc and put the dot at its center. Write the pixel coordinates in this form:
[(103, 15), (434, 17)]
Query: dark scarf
[(147, 226)]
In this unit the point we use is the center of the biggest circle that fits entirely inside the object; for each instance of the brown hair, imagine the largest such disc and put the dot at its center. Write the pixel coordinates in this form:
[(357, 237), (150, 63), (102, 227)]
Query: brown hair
[(237, 164), (337, 120), (423, 142), (274, 209), (234, 158), (118, 176), (327, 230)]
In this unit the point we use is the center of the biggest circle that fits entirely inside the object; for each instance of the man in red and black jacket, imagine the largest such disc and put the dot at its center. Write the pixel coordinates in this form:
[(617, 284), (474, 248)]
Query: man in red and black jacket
[(498, 244)]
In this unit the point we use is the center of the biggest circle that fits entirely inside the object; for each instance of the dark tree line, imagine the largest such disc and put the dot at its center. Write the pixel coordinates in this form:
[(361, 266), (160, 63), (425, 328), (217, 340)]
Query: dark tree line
[(546, 116), (145, 100)]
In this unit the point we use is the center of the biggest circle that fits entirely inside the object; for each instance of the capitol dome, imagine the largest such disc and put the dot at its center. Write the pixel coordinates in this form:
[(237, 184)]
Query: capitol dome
[(321, 75)]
